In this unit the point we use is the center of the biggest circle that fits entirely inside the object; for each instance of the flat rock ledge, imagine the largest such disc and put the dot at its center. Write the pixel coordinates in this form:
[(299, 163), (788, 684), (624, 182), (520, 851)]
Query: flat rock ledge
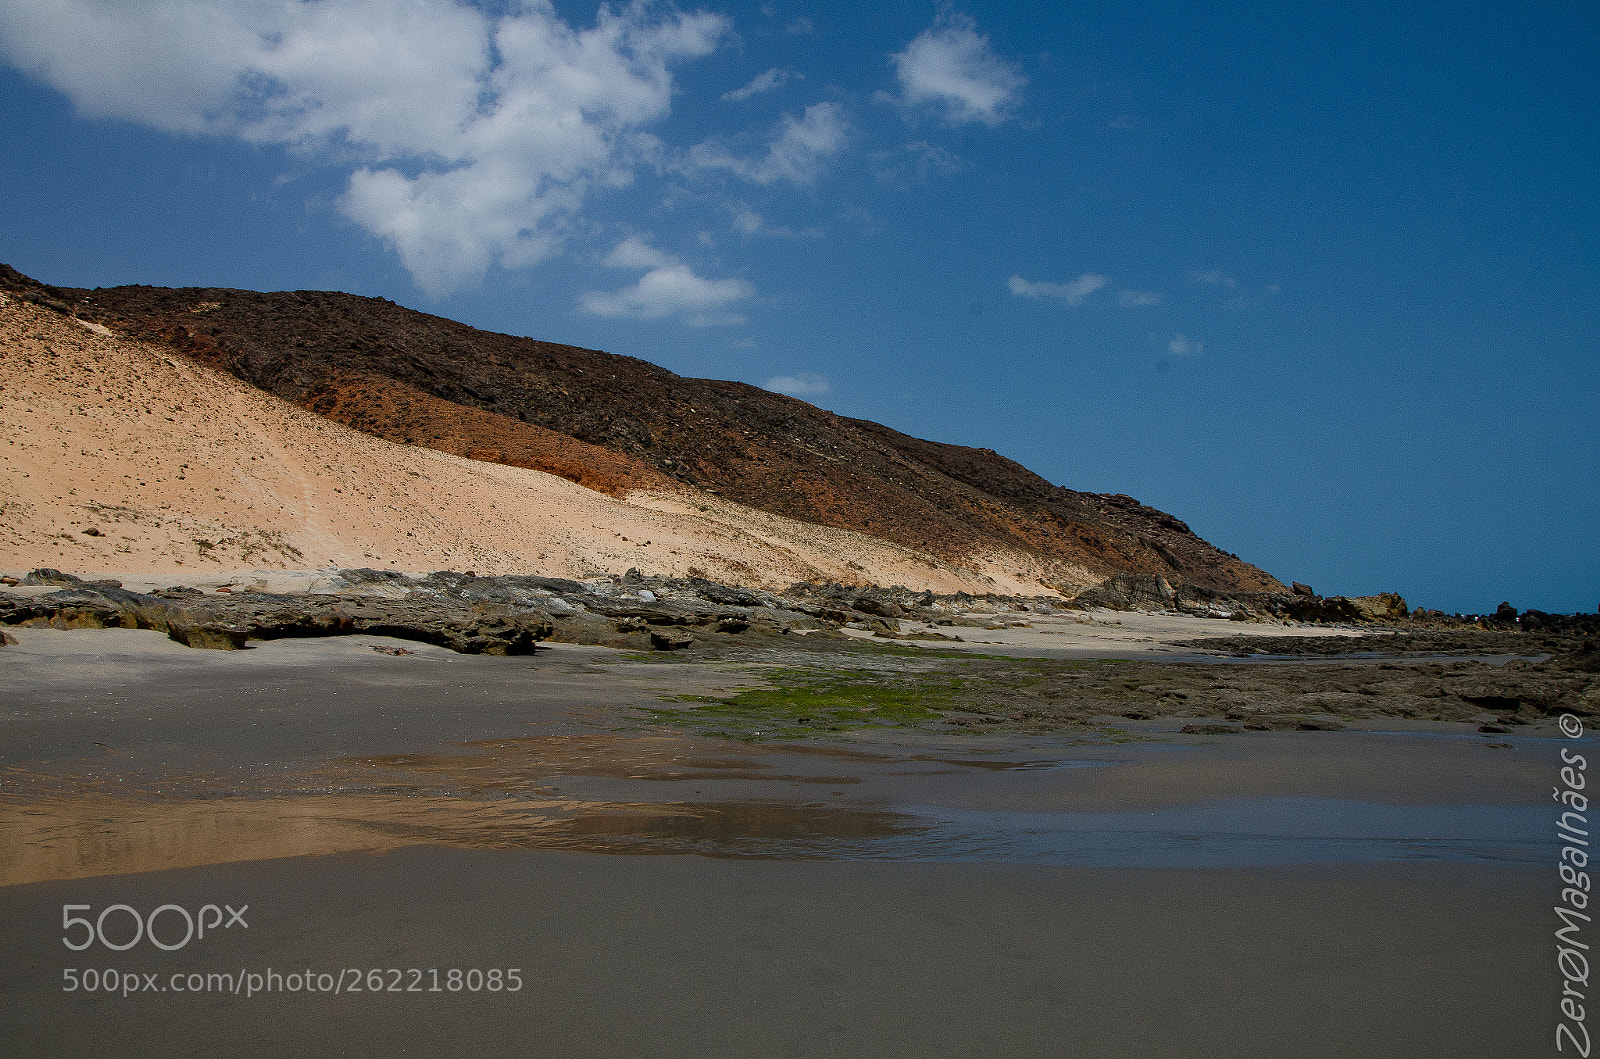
[(473, 615)]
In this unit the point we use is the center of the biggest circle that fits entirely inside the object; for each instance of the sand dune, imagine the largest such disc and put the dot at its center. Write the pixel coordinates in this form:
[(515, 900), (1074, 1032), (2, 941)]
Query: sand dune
[(121, 457)]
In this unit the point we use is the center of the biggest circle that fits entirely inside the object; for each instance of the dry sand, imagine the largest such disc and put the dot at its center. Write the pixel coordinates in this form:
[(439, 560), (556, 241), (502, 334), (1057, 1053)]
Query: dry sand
[(183, 469), (1098, 633)]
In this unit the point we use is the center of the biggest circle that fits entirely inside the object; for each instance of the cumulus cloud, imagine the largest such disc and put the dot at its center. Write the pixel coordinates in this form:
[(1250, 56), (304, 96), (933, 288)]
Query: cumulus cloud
[(1180, 346), (1215, 278), (951, 68), (1072, 293), (477, 136), (766, 82), (1133, 299), (799, 152), (669, 288), (800, 384)]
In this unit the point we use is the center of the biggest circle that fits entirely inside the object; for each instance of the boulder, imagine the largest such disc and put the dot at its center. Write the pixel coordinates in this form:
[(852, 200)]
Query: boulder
[(670, 639), (882, 608), (47, 576), (210, 635), (1301, 590), (1386, 606)]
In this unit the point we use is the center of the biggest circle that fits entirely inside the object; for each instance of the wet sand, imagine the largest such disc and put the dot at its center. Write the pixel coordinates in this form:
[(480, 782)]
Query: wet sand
[(1120, 889), (687, 956)]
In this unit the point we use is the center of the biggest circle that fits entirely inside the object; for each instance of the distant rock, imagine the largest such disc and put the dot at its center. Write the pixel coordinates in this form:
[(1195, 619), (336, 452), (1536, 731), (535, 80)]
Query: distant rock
[(1386, 606), (1301, 590)]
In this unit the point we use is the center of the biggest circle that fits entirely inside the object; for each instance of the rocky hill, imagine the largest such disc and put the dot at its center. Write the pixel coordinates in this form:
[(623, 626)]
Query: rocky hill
[(617, 424)]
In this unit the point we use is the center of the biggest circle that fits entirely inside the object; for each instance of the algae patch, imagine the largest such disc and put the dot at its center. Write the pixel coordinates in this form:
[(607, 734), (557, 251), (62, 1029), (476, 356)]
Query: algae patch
[(802, 701)]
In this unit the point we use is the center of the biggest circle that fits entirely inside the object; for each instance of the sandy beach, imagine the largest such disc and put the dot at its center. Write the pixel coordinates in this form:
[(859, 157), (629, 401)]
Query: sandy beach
[(1117, 889)]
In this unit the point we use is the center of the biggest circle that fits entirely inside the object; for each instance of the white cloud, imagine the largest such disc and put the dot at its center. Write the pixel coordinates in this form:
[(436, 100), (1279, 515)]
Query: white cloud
[(798, 153), (634, 252), (916, 161), (669, 289), (951, 67), (1073, 293), (1181, 346), (1215, 278), (480, 137), (766, 82), (800, 384), (1133, 299)]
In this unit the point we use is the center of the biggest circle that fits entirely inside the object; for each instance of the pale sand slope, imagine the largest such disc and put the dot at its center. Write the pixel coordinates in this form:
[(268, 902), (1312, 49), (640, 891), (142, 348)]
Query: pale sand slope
[(184, 469)]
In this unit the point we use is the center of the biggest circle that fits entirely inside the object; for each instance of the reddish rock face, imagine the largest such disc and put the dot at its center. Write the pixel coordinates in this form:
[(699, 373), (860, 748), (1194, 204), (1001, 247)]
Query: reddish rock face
[(616, 424)]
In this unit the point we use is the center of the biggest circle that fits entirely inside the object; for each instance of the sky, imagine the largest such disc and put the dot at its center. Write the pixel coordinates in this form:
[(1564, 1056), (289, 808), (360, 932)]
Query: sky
[(1322, 282)]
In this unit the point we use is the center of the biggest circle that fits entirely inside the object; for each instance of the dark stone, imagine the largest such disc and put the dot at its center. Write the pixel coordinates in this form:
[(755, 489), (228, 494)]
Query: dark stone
[(1311, 724), (883, 608), (1210, 729), (209, 635), (670, 639), (47, 576), (1496, 703), (1301, 590), (1493, 729)]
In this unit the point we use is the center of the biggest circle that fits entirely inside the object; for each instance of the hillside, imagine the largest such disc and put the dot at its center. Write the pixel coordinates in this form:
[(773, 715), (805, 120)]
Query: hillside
[(620, 426)]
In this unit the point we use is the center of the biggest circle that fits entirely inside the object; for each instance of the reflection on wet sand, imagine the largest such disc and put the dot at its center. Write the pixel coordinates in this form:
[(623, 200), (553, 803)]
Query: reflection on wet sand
[(486, 794), (598, 792), (514, 765), (75, 837)]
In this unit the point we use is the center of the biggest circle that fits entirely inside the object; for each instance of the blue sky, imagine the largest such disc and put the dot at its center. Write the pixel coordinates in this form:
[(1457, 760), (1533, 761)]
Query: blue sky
[(1325, 283)]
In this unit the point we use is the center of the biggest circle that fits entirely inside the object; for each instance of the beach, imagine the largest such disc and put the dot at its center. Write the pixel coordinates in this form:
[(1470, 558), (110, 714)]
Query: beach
[(1116, 888)]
